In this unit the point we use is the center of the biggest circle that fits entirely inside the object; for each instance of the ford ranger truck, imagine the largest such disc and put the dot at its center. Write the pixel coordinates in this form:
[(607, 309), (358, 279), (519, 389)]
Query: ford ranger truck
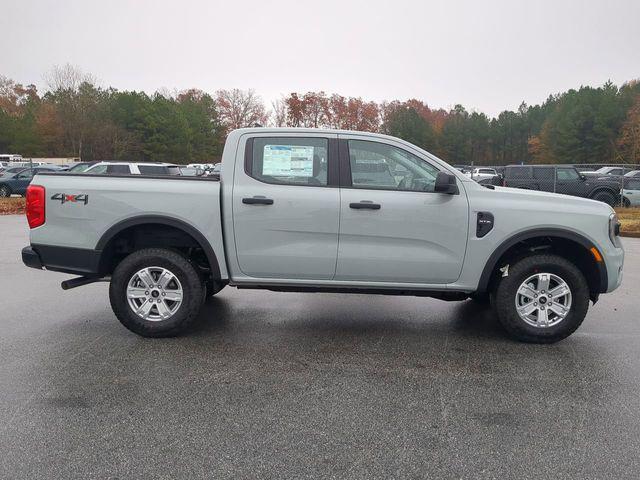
[(309, 210)]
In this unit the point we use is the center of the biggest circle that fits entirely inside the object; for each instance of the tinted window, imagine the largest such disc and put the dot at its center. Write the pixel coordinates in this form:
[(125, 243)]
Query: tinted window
[(567, 174), (487, 170), (518, 172), (615, 171), (633, 185), (543, 173), (27, 174), (295, 161), (377, 165), (118, 169), (153, 170)]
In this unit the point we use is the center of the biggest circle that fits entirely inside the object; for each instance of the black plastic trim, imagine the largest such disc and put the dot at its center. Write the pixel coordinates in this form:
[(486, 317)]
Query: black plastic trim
[(449, 295), (80, 261), (345, 167), (31, 258), (489, 267), (162, 220)]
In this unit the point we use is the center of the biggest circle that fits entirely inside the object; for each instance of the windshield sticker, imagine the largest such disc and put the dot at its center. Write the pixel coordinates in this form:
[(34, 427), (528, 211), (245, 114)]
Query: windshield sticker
[(287, 161)]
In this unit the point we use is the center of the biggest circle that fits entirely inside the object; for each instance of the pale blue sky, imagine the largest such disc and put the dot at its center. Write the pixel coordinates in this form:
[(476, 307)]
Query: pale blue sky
[(487, 55)]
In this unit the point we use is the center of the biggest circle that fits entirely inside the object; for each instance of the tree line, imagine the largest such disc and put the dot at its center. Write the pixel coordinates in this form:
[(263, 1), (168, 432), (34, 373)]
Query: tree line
[(76, 117)]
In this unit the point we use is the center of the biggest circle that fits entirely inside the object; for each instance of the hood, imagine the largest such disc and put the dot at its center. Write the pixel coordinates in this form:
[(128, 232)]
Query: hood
[(537, 200)]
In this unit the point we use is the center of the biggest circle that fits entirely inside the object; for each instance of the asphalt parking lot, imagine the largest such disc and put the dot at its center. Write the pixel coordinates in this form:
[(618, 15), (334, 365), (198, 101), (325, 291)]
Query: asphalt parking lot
[(282, 385)]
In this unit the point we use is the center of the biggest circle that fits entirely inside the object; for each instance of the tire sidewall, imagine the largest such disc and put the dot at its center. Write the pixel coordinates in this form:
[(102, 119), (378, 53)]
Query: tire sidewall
[(5, 192), (176, 264), (508, 287), (605, 197)]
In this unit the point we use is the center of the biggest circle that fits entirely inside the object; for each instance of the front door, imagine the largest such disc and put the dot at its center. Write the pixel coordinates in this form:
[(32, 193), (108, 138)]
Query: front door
[(286, 205), (393, 227)]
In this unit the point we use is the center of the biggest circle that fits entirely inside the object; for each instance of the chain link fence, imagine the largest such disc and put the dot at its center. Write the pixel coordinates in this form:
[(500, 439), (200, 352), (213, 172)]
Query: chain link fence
[(615, 184)]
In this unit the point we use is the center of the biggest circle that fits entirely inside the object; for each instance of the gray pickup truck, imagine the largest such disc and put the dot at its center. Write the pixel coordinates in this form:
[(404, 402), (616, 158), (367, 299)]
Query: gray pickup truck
[(310, 210)]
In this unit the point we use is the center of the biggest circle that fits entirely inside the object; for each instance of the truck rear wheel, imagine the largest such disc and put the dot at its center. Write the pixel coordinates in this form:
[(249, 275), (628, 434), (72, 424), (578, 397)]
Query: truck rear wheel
[(5, 191), (156, 292), (606, 197), (543, 299)]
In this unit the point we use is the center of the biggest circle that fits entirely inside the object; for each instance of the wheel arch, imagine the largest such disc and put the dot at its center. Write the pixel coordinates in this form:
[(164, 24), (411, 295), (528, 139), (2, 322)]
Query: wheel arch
[(549, 238), (117, 230)]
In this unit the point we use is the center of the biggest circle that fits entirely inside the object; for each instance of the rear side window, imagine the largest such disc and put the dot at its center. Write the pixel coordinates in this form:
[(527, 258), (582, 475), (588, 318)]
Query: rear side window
[(543, 173), (153, 170), (633, 185), (518, 172), (293, 161)]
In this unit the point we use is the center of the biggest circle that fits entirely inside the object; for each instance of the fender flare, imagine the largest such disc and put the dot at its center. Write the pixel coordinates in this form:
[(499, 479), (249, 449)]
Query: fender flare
[(492, 262), (163, 220)]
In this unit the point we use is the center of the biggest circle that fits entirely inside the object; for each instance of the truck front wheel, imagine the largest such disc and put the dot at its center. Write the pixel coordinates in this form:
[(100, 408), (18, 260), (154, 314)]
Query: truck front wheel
[(156, 292), (543, 299)]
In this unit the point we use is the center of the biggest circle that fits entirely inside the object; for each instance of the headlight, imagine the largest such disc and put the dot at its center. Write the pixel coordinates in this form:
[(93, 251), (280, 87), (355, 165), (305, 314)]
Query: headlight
[(614, 229)]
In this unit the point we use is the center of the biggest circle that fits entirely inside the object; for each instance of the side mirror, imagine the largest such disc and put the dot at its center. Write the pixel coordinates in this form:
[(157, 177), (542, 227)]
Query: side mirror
[(583, 177), (446, 183)]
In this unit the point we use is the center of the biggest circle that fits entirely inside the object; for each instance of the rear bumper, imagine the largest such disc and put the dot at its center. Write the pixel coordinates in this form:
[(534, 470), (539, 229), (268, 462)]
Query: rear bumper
[(31, 258), (78, 261)]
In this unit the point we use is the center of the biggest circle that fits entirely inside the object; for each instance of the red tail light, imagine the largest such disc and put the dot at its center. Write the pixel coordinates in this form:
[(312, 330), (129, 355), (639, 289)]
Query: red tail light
[(35, 205)]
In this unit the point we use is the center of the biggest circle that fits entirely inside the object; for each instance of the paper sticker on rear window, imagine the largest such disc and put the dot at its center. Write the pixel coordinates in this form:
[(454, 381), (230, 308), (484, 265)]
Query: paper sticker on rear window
[(287, 161)]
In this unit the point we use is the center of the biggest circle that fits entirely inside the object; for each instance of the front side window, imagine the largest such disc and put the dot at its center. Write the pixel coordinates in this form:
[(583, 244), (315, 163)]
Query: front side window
[(567, 174), (293, 161), (382, 166)]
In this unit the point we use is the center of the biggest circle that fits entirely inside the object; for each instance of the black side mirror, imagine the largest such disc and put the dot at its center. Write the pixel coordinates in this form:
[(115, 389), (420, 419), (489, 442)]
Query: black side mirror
[(446, 183)]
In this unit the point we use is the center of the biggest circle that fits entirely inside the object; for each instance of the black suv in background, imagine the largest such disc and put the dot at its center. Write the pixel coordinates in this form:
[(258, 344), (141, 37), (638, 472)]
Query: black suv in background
[(562, 179)]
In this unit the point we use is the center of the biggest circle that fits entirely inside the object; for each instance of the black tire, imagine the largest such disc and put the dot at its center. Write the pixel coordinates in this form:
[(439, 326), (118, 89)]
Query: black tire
[(606, 197), (626, 203), (505, 298), (5, 191), (213, 287), (178, 265)]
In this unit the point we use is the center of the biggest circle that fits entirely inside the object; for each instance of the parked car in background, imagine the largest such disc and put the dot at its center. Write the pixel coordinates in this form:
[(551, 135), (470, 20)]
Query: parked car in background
[(632, 174), (564, 179), (10, 158), (631, 192), (17, 183), (605, 172), (191, 172), (482, 173), (128, 168), (11, 170), (81, 167)]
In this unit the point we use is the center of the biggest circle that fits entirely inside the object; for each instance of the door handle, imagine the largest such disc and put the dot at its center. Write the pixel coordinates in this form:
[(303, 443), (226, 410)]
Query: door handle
[(365, 205), (257, 200)]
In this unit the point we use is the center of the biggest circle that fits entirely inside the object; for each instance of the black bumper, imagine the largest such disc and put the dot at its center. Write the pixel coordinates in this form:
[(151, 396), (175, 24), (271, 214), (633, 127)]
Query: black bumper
[(31, 258), (78, 261)]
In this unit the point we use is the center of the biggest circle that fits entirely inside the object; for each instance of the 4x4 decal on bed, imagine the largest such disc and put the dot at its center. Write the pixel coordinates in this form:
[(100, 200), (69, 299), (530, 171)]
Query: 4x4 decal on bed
[(64, 198)]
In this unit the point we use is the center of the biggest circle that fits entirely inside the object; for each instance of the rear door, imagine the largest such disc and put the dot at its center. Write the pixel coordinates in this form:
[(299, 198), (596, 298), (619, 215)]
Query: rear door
[(286, 206), (393, 227)]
